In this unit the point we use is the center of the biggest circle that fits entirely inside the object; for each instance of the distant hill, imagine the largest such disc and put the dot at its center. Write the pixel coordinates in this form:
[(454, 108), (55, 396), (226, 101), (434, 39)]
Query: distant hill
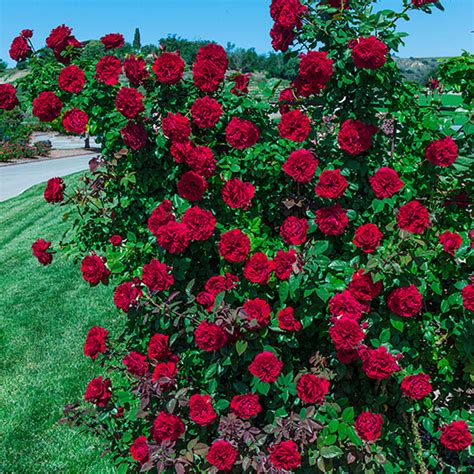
[(418, 69)]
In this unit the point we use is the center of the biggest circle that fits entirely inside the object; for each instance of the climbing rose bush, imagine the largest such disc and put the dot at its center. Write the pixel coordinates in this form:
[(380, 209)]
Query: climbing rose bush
[(291, 266)]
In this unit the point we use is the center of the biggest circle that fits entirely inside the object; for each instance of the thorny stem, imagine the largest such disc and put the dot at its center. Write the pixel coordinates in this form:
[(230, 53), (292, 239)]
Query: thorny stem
[(419, 448)]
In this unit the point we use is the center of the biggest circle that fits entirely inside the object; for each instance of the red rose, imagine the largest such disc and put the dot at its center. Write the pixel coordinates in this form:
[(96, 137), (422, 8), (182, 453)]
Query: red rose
[(164, 375), (206, 112), (281, 37), (201, 410), (135, 71), (312, 389), (416, 386), (134, 135), (285, 455), (26, 33), (405, 301), (95, 342), (241, 133), (8, 99), (206, 299), (237, 193), (59, 39), (40, 251), (286, 99), (241, 84), (347, 357), (126, 295), (173, 237), (75, 121), (139, 450), (369, 426), (314, 73), (47, 106), (442, 152), (293, 230), (257, 310), (346, 333), (377, 363), (167, 427), (245, 406), (214, 53), (112, 41), (456, 436), (344, 304), (93, 270), (201, 160), (71, 79), (192, 186), (158, 347), (287, 13), (157, 276), (367, 237), (331, 184), (19, 49), (160, 216), (266, 366), (169, 68), (332, 220), (180, 150), (210, 337), (108, 70), (136, 363), (234, 246), (207, 75), (301, 166), (362, 286), (222, 455), (116, 240), (338, 3), (420, 3), (413, 217), (220, 283), (468, 297), (258, 268), (369, 53), (129, 102), (176, 127), (294, 125), (286, 320), (450, 241), (385, 183), (98, 392), (200, 223), (283, 264), (355, 137)]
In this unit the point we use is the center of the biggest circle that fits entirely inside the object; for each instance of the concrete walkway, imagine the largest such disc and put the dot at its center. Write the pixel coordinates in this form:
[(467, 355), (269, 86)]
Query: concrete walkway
[(18, 178)]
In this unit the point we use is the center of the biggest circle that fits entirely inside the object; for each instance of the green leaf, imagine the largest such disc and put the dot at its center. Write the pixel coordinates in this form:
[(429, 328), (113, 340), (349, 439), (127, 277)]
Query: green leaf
[(329, 452), (348, 414), (241, 346)]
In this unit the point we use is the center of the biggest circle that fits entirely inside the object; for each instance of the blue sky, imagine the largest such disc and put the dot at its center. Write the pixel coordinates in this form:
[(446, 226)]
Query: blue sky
[(243, 22)]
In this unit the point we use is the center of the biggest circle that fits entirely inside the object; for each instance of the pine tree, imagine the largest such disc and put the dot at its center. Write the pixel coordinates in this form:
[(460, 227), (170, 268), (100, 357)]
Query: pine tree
[(136, 40)]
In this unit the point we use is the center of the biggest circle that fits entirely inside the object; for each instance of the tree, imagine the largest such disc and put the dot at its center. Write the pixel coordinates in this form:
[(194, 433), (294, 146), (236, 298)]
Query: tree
[(136, 40)]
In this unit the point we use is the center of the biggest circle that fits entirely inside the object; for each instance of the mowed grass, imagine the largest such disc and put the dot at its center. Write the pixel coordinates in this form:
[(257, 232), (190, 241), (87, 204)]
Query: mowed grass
[(45, 313)]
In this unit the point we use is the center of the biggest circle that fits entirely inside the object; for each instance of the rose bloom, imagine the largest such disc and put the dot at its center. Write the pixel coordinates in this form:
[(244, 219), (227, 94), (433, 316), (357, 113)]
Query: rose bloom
[(126, 295), (95, 342), (332, 220), (75, 121), (301, 166), (201, 160), (129, 102), (257, 310), (176, 127), (287, 13), (286, 320), (139, 450), (93, 270), (413, 217), (420, 3), (241, 134), (112, 41), (59, 39), (180, 150), (238, 194), (295, 126), (99, 391), (116, 240), (71, 79), (135, 71), (164, 375), (416, 386), (369, 426), (347, 356), (158, 347), (266, 367), (134, 135), (219, 283), (206, 112), (442, 152), (207, 75), (234, 246), (331, 184), (456, 436), (215, 53), (377, 363), (201, 410), (314, 73), (286, 99), (362, 286), (40, 251), (169, 68), (173, 237), (19, 49), (355, 137), (312, 389), (192, 186), (222, 455), (293, 230), (241, 84), (136, 363), (405, 301), (338, 3), (385, 183), (245, 406), (367, 237), (167, 427), (160, 216), (285, 455), (258, 268), (8, 99), (369, 53), (281, 37), (210, 337), (468, 297), (108, 70), (157, 276), (47, 106), (344, 304), (200, 223), (346, 333), (283, 264), (450, 241)]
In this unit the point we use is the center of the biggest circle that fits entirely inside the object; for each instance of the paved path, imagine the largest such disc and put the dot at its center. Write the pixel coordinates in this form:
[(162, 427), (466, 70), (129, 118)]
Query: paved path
[(15, 179)]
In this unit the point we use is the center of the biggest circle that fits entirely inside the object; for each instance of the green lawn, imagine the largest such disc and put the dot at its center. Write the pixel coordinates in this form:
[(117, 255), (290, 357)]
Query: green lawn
[(44, 316)]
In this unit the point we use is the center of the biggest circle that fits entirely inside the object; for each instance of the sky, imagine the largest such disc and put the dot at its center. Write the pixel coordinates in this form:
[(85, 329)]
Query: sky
[(245, 23)]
